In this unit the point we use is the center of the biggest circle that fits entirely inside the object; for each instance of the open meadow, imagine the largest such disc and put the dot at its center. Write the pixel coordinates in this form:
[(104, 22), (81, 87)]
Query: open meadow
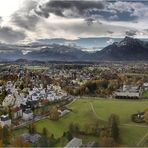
[(90, 110)]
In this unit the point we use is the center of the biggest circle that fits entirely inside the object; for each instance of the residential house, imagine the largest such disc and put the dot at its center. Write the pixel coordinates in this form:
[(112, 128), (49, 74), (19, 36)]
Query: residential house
[(63, 111), (17, 112), (5, 120), (27, 115)]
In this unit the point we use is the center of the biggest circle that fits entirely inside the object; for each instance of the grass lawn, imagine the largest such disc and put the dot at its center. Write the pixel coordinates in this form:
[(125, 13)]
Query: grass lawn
[(81, 114), (130, 132), (123, 108), (130, 136), (145, 94)]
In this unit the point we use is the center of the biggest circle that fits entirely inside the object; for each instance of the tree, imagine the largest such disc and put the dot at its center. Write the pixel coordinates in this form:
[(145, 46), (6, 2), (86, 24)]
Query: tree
[(146, 116), (74, 128), (54, 114), (32, 128), (51, 140), (6, 135), (1, 132), (19, 142), (1, 143), (113, 124), (96, 128), (113, 118), (87, 127), (115, 131), (105, 140), (44, 141), (69, 136)]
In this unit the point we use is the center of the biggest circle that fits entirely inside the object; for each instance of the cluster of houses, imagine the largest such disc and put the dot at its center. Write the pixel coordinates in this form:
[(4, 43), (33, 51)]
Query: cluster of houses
[(73, 76), (22, 102)]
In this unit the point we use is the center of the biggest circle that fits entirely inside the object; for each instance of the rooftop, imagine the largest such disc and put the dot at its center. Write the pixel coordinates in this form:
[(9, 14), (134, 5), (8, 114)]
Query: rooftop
[(75, 142)]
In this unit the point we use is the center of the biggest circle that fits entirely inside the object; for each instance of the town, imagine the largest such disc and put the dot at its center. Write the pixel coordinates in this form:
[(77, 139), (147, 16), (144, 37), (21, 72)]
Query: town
[(35, 95)]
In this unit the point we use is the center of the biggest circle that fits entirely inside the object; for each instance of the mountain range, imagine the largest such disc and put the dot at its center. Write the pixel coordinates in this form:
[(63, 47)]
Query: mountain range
[(126, 49)]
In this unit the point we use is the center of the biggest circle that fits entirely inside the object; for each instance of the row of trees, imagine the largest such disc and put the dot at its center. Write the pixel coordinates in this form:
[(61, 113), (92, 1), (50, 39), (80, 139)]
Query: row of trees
[(107, 136), (105, 84), (5, 135)]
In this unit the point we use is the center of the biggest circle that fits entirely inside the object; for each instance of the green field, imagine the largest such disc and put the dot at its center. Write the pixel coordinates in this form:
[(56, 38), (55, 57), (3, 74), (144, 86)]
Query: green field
[(90, 110), (145, 94), (83, 113)]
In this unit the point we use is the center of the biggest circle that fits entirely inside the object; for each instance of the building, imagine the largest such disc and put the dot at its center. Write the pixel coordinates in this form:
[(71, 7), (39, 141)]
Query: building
[(75, 143), (145, 86), (63, 111), (28, 115), (128, 91), (5, 120), (31, 138), (17, 112)]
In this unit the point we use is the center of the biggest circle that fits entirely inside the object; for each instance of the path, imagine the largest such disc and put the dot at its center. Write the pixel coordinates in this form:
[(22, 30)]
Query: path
[(97, 116), (71, 102), (142, 139)]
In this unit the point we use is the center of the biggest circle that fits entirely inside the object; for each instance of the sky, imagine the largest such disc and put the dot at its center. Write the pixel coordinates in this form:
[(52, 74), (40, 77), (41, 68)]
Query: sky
[(23, 21)]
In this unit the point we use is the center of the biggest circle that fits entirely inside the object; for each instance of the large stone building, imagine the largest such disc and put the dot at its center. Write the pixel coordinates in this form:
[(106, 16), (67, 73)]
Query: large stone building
[(128, 91)]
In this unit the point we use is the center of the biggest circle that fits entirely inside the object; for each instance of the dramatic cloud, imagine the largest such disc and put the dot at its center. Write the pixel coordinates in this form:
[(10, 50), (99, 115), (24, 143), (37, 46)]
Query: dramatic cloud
[(26, 17), (7, 34), (70, 19), (68, 8), (135, 8)]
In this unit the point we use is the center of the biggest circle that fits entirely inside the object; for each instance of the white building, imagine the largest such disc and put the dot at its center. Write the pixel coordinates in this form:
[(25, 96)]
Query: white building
[(5, 120), (74, 143), (27, 115), (128, 91), (145, 86)]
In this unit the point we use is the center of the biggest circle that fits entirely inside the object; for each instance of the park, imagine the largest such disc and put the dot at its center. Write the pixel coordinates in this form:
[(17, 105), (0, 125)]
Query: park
[(89, 110)]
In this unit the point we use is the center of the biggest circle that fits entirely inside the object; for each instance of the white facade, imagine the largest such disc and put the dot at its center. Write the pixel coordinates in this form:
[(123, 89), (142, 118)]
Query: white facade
[(8, 101), (27, 115), (5, 120)]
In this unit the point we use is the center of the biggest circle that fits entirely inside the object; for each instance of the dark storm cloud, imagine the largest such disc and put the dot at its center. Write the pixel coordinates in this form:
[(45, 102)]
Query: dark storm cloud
[(7, 34), (26, 17), (59, 8), (131, 33)]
